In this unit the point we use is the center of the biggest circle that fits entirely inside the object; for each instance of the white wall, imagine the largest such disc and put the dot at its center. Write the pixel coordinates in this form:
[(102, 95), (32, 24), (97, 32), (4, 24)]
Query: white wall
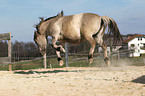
[(137, 44)]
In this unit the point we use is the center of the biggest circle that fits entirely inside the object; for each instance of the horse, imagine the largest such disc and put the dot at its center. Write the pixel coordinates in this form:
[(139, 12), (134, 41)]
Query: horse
[(76, 29)]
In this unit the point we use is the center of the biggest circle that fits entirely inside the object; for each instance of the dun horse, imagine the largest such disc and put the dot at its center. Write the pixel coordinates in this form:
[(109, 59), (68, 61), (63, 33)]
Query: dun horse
[(76, 29)]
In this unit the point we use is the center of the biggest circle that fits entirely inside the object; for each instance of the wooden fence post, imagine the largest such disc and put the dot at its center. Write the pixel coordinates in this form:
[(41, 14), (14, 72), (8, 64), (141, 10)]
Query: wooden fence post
[(10, 67), (9, 52), (7, 36)]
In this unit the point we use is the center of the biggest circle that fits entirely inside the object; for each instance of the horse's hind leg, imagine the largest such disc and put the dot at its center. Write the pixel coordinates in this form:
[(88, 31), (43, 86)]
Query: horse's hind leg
[(104, 47), (106, 58), (99, 40), (93, 45), (58, 49)]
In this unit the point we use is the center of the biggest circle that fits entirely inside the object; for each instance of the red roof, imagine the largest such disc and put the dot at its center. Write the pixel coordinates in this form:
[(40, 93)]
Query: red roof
[(131, 38)]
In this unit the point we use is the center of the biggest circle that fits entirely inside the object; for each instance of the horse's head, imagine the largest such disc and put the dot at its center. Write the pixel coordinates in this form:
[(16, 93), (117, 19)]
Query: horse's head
[(40, 37), (41, 41)]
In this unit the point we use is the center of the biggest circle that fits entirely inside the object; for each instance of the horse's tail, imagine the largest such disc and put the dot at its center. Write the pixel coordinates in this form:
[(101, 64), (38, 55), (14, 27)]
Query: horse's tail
[(112, 29)]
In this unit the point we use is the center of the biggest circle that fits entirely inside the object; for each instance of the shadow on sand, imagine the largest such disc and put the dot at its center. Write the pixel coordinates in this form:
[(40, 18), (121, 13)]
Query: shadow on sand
[(39, 72), (139, 80)]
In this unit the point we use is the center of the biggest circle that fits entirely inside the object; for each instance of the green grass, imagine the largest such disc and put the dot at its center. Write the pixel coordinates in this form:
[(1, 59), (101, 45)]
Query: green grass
[(74, 62), (24, 65)]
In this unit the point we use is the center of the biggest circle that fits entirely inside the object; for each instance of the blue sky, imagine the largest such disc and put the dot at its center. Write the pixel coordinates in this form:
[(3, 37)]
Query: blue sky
[(19, 16)]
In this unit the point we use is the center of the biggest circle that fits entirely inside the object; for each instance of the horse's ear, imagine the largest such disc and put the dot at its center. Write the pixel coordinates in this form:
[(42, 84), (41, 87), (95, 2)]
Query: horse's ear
[(61, 13), (41, 18)]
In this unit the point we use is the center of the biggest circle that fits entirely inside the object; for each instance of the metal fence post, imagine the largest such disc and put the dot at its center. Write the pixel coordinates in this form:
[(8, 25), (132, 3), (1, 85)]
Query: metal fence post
[(118, 54), (44, 61), (66, 54)]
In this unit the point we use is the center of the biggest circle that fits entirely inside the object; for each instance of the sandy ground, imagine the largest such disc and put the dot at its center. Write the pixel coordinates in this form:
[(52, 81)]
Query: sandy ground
[(112, 81)]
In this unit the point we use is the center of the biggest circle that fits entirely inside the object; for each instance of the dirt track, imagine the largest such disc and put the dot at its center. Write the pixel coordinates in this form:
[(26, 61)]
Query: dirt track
[(112, 81)]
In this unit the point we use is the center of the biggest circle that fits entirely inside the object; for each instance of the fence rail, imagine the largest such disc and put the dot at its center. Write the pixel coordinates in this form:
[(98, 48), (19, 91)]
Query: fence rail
[(16, 57)]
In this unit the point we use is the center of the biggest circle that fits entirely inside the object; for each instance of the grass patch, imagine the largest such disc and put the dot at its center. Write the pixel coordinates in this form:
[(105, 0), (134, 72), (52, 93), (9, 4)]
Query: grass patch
[(75, 61)]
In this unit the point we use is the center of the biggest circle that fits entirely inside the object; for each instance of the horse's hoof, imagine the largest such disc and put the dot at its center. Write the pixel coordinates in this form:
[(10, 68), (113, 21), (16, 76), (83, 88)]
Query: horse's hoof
[(61, 63), (62, 50), (107, 61), (90, 60)]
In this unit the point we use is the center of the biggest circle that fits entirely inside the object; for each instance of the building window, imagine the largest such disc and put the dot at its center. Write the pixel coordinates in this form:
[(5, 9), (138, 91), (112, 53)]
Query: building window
[(140, 39), (132, 45), (142, 46)]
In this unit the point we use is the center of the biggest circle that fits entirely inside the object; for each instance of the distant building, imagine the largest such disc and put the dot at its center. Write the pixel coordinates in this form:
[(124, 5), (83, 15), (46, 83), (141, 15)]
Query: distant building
[(137, 44), (134, 45)]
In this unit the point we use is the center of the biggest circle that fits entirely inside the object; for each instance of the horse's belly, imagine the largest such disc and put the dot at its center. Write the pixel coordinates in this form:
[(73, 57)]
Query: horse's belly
[(72, 39)]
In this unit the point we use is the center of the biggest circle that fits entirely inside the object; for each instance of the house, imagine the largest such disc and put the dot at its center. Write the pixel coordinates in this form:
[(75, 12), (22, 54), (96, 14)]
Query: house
[(133, 46), (135, 43)]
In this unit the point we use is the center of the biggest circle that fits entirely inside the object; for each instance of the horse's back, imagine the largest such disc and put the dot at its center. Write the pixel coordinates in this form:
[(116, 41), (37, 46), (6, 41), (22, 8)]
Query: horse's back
[(90, 23), (74, 27), (80, 21), (71, 27)]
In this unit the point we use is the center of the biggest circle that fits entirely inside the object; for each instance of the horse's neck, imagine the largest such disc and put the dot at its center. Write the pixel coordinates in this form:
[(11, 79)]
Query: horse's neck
[(43, 28), (46, 26), (50, 26)]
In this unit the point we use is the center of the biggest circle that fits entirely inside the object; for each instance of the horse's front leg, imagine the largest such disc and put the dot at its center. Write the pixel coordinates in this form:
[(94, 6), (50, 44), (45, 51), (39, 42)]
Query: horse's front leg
[(59, 59), (58, 49)]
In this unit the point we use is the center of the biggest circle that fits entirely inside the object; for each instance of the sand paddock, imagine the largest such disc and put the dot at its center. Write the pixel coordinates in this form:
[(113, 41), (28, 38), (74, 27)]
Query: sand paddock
[(103, 81)]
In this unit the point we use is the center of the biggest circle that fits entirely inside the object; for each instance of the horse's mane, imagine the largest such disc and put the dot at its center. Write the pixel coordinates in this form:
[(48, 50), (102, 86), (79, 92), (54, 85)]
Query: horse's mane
[(44, 20), (38, 25)]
